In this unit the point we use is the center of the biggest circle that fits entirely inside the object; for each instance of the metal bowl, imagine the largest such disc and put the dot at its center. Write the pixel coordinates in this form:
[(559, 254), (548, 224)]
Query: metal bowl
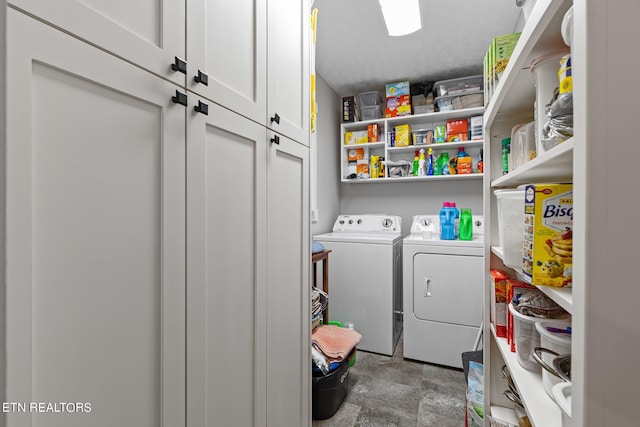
[(562, 365)]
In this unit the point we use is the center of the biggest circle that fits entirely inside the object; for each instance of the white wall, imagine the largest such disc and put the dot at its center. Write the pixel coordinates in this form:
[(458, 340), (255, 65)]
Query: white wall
[(410, 198), (3, 97), (328, 157)]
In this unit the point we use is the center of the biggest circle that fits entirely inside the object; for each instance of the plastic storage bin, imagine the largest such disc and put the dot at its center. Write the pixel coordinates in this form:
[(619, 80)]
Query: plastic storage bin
[(371, 113), (557, 342), (368, 99), (523, 145), (562, 396), (511, 226), (458, 86), (328, 391), (526, 337)]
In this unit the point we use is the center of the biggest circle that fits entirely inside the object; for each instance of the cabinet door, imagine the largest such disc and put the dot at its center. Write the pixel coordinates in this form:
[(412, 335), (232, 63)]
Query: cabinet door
[(227, 41), (288, 295), (95, 234), (288, 70), (148, 33), (226, 270)]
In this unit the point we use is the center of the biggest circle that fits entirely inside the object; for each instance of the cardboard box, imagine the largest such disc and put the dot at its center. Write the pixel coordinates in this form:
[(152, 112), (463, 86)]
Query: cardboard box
[(372, 131), (457, 126), (398, 106), (457, 137), (501, 49), (475, 124), (548, 234), (354, 154), (440, 133), (362, 168), (499, 302), (397, 89), (349, 109), (403, 135), (360, 137)]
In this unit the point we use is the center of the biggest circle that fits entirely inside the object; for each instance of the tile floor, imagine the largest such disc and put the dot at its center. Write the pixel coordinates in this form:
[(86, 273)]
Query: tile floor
[(391, 391)]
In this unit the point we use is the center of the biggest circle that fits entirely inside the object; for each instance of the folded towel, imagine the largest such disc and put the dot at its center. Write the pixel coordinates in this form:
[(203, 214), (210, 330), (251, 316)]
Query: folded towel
[(335, 342)]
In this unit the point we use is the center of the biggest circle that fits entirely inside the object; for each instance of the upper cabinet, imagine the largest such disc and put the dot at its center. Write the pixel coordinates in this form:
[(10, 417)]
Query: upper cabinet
[(227, 54), (149, 33), (288, 68)]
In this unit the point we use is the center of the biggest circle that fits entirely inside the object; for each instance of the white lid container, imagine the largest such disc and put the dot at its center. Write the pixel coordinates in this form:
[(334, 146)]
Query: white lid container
[(562, 396), (511, 226), (557, 342)]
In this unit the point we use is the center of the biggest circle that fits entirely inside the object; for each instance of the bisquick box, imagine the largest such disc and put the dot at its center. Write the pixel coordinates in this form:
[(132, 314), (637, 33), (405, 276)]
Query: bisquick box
[(548, 234)]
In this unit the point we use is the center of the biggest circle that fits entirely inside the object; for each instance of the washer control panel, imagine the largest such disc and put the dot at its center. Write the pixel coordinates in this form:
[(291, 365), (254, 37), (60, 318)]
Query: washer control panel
[(368, 223)]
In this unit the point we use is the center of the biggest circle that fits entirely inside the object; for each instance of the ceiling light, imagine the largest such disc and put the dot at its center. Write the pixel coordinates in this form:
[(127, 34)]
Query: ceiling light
[(401, 16)]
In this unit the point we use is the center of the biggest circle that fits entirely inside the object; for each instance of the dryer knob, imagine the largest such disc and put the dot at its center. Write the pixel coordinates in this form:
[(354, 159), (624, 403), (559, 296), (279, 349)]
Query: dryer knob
[(387, 222)]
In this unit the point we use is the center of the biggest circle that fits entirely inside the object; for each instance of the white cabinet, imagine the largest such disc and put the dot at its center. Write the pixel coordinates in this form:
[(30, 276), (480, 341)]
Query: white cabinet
[(149, 33), (288, 68), (226, 269), (407, 153), (95, 222), (288, 354), (227, 41), (598, 161)]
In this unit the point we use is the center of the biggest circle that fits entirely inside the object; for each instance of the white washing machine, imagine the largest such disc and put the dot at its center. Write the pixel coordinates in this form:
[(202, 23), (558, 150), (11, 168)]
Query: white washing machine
[(365, 277), (443, 282)]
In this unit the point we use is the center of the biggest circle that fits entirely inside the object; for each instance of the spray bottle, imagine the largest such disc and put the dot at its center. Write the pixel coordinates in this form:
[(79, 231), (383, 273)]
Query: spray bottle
[(430, 162), (422, 171), (415, 164)]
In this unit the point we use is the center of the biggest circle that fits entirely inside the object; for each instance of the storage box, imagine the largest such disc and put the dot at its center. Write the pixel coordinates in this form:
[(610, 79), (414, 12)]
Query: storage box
[(354, 154), (548, 235), (362, 168), (422, 136), (457, 126), (371, 113), (458, 86), (498, 315), (368, 99), (511, 226), (328, 391), (475, 124), (397, 89), (398, 106), (349, 109), (372, 131), (356, 137), (403, 135)]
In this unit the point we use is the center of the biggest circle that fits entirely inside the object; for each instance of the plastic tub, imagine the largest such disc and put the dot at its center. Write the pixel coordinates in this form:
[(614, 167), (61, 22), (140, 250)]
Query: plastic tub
[(523, 145), (511, 226), (558, 343), (458, 86), (368, 99), (562, 396), (371, 113), (545, 69), (526, 338)]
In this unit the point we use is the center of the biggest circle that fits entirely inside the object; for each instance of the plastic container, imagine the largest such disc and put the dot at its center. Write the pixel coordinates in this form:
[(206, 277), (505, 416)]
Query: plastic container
[(558, 343), (523, 145), (368, 99), (506, 148), (526, 337), (458, 86), (545, 70), (511, 226), (562, 396), (422, 136), (328, 391), (371, 113)]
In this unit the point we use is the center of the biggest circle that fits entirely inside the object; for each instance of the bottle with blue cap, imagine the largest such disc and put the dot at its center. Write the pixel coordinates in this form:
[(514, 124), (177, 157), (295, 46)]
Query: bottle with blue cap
[(446, 222)]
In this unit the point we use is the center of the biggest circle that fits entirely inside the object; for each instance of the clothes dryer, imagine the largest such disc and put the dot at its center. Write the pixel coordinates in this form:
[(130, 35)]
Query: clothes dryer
[(443, 282), (365, 277)]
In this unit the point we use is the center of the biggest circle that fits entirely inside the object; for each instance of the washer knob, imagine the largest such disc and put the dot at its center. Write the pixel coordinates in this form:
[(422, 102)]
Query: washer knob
[(387, 222), (359, 221), (342, 222), (426, 222), (350, 221)]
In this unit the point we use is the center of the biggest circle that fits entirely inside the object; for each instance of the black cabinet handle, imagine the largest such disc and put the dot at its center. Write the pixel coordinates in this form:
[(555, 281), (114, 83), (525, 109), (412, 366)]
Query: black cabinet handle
[(275, 118), (202, 108), (201, 78), (179, 65), (275, 139), (180, 98)]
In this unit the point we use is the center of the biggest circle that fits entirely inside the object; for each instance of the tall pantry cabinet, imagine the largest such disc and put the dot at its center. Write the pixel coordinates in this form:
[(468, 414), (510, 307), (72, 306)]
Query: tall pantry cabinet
[(157, 232), (600, 161)]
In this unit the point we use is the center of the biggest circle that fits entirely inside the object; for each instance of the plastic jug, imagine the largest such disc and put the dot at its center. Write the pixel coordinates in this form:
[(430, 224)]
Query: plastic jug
[(466, 224), (456, 220), (446, 222)]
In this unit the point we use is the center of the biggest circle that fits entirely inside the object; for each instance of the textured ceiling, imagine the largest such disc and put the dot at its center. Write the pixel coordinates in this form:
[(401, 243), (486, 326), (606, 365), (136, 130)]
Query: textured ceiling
[(354, 53)]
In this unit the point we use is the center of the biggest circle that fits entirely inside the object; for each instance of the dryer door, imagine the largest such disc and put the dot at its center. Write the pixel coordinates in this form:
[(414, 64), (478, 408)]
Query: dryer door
[(448, 288)]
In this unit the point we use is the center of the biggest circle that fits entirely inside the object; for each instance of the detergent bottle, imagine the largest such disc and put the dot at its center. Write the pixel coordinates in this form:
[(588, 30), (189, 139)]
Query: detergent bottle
[(430, 162), (415, 164), (446, 222), (444, 166), (456, 219), (466, 224)]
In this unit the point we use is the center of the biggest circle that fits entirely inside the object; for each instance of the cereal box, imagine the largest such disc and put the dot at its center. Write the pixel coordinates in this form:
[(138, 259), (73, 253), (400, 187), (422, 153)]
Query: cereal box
[(548, 238), (499, 302)]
